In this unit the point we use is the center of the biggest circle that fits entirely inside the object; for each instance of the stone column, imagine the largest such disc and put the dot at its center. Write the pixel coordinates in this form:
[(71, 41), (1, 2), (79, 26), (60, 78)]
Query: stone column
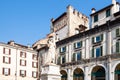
[(69, 74)]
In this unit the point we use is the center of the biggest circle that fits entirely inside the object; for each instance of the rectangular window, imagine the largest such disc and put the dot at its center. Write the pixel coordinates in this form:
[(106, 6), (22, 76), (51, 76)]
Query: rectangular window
[(6, 71), (108, 13), (63, 49), (6, 60), (23, 62), (6, 51), (34, 64), (78, 45), (97, 52), (34, 74), (97, 38), (79, 56), (117, 32), (34, 57), (23, 54), (22, 73), (96, 18)]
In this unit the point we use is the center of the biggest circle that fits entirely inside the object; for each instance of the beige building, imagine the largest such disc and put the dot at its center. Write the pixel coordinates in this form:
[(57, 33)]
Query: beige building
[(18, 62)]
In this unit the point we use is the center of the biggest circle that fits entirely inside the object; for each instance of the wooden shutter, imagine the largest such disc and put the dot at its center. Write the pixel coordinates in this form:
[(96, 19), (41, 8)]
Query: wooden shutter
[(32, 64), (9, 71), (36, 64), (25, 72), (60, 50), (101, 48), (25, 54), (20, 53), (3, 59), (74, 56), (25, 62), (92, 53), (20, 62), (9, 60), (101, 37), (92, 40), (74, 45), (3, 50), (9, 51), (3, 71), (117, 47), (80, 44), (117, 32)]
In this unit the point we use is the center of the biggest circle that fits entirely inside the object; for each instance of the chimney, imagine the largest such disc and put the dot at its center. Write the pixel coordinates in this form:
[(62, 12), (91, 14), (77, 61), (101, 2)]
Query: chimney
[(93, 10), (12, 42), (113, 1)]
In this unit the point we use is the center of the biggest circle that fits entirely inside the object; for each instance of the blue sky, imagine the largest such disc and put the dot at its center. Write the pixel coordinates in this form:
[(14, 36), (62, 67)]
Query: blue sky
[(26, 21)]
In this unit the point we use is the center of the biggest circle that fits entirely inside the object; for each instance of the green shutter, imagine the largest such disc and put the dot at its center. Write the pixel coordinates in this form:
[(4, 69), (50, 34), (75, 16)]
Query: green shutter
[(92, 52), (58, 60), (117, 32), (101, 37), (80, 43), (74, 45), (65, 49), (59, 50), (117, 47), (101, 48), (92, 39), (74, 56)]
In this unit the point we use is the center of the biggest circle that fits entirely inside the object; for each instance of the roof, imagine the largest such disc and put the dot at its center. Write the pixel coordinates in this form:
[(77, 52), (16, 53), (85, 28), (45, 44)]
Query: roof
[(107, 7), (117, 14), (59, 17)]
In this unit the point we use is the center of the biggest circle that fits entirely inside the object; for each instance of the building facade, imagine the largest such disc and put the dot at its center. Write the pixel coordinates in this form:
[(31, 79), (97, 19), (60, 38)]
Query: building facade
[(18, 62)]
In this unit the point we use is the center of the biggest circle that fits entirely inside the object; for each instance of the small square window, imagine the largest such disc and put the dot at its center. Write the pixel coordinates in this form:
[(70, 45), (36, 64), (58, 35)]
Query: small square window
[(108, 13), (22, 73), (6, 71)]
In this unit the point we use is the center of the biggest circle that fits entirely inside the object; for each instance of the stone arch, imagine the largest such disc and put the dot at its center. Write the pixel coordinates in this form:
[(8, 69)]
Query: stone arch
[(117, 72), (98, 73), (78, 74), (64, 75)]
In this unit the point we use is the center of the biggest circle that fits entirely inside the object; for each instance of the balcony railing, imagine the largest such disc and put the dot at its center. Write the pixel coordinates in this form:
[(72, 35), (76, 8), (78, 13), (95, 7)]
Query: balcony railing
[(105, 58)]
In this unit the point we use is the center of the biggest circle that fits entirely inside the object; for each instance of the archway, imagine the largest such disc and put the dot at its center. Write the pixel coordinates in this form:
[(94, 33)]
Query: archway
[(117, 72), (98, 73), (63, 75), (78, 74)]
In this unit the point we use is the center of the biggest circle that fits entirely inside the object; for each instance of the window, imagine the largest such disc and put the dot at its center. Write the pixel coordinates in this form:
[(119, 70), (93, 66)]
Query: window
[(6, 60), (117, 32), (34, 64), (22, 73), (97, 52), (6, 51), (77, 56), (23, 54), (6, 71), (117, 47), (62, 49), (34, 57), (23, 62), (97, 38), (78, 45), (34, 74), (96, 18), (59, 60), (108, 13)]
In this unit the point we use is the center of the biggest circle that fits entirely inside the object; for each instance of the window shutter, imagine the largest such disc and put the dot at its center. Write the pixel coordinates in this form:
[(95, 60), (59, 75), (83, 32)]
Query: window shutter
[(74, 45), (20, 62), (117, 32), (20, 53), (80, 54), (92, 40), (32, 74), (117, 47), (25, 72), (65, 49), (3, 59), (20, 72), (3, 50), (9, 51), (9, 60), (3, 71), (32, 64), (25, 54), (58, 60), (74, 56), (101, 48), (92, 52), (101, 37), (25, 62), (60, 50), (36, 74), (9, 71), (80, 43), (37, 65), (65, 59)]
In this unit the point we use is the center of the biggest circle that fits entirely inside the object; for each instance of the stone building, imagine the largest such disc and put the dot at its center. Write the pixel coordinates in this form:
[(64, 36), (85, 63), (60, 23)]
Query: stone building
[(18, 62)]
